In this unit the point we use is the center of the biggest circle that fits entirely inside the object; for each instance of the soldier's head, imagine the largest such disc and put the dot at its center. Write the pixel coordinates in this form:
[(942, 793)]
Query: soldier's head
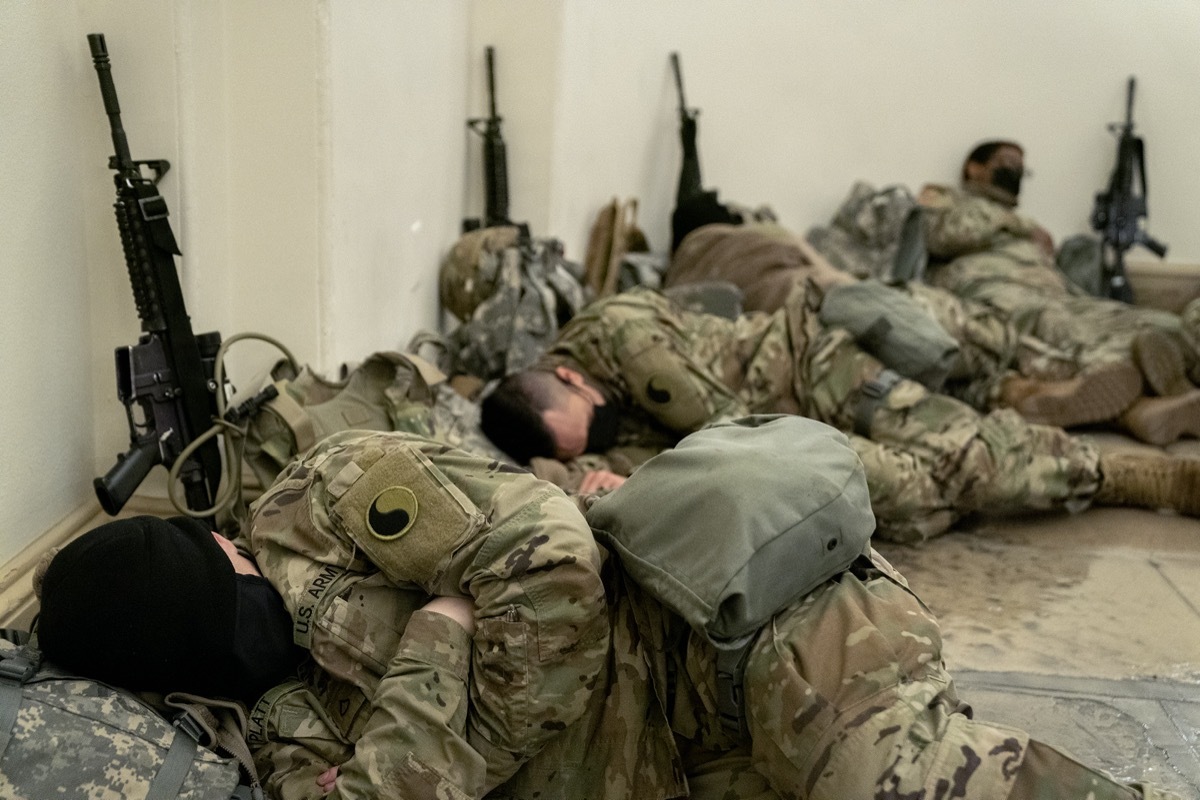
[(554, 413), (164, 605), (996, 166)]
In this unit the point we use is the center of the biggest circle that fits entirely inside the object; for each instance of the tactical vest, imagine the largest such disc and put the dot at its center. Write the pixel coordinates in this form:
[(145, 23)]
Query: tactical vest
[(387, 392)]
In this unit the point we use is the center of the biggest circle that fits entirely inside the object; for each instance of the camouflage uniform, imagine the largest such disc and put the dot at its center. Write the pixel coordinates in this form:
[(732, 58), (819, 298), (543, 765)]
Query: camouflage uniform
[(985, 251), (846, 696), (930, 459), (760, 261), (357, 535)]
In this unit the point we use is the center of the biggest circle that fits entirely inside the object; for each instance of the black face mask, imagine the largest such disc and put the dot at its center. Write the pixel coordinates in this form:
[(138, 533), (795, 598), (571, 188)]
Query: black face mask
[(263, 652), (1008, 179), (602, 433)]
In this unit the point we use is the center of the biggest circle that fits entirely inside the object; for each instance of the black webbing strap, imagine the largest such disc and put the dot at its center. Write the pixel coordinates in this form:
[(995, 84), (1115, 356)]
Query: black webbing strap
[(731, 699), (873, 392)]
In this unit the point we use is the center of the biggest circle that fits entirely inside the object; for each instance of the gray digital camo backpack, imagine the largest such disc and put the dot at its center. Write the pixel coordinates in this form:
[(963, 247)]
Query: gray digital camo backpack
[(511, 292), (736, 522), (63, 736)]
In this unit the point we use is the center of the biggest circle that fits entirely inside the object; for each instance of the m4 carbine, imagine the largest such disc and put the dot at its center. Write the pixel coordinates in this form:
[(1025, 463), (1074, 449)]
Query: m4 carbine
[(166, 380), (1120, 209), (495, 158)]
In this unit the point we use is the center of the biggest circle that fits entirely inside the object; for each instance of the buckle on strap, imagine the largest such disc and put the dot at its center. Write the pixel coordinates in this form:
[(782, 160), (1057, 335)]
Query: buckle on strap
[(731, 696), (19, 667), (872, 394), (191, 726)]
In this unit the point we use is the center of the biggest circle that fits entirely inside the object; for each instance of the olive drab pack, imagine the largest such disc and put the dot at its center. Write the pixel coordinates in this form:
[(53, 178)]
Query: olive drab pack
[(892, 326), (511, 293), (736, 522), (63, 736)]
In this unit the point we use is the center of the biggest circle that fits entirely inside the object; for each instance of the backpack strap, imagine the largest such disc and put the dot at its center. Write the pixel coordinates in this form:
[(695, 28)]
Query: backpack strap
[(731, 701), (16, 668), (168, 783), (874, 392), (215, 723)]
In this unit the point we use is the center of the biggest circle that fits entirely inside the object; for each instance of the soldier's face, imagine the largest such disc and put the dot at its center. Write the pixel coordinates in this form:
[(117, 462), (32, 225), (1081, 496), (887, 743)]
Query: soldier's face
[(241, 564), (569, 424), (1003, 170), (570, 421)]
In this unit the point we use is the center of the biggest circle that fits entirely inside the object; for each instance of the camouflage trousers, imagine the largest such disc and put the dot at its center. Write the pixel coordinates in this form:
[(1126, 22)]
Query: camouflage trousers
[(991, 349), (847, 696), (931, 459), (1094, 330)]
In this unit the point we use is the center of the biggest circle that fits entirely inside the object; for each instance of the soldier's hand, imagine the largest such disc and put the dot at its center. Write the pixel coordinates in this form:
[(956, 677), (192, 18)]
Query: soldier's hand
[(459, 609), (1044, 240), (599, 480), (325, 781)]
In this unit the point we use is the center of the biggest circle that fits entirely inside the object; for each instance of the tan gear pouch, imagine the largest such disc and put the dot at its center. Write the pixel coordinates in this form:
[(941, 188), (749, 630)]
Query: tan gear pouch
[(404, 514), (659, 383)]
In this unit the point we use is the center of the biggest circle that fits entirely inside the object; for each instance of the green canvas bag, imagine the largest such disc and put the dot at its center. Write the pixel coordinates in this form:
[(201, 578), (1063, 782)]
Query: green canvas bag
[(736, 522)]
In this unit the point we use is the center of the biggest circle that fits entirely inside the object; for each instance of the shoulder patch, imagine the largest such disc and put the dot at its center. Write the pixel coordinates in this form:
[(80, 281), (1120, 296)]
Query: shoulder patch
[(658, 389), (392, 513)]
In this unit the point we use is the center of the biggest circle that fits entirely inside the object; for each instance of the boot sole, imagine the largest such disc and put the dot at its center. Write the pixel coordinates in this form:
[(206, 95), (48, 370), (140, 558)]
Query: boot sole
[(1160, 360), (1098, 395), (1165, 420)]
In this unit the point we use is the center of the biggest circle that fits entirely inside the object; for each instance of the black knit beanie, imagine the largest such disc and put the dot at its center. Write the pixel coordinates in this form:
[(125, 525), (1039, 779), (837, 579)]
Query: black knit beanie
[(143, 603)]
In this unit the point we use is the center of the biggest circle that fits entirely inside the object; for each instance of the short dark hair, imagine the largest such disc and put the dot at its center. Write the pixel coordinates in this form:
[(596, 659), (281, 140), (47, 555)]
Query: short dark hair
[(983, 152), (511, 415)]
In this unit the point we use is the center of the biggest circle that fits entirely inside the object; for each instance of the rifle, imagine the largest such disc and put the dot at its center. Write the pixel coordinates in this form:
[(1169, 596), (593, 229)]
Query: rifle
[(495, 158), (167, 377), (690, 183), (1119, 209)]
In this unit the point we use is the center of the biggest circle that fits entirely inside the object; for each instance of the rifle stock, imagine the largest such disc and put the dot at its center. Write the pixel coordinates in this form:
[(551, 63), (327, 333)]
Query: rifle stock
[(165, 381)]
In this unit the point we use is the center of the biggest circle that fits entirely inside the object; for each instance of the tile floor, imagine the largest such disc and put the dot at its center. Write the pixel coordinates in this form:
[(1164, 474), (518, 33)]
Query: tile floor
[(1084, 630)]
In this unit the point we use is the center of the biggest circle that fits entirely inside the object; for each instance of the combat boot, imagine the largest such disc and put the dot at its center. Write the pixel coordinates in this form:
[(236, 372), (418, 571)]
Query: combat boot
[(1161, 361), (1162, 420), (1098, 394), (1150, 480)]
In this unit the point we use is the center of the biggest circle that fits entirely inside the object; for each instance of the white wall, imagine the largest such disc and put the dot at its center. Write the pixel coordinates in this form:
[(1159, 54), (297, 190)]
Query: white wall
[(800, 98), (398, 81), (46, 402), (322, 164)]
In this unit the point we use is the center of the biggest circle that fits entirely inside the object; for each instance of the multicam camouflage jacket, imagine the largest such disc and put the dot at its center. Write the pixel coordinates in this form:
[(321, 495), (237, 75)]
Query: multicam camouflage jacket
[(357, 535), (983, 241), (672, 372)]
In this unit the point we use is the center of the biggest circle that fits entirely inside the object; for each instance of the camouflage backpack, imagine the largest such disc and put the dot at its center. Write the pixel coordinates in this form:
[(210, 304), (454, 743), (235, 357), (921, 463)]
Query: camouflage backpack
[(66, 737), (511, 293), (875, 233), (736, 522)]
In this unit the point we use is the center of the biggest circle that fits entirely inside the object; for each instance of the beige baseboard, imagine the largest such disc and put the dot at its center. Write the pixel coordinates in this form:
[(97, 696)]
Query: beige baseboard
[(1164, 286), (17, 601)]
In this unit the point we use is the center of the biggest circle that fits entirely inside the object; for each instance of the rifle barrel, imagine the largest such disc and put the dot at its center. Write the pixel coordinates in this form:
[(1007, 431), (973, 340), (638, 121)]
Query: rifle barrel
[(108, 91), (491, 80), (678, 82), (1129, 104)]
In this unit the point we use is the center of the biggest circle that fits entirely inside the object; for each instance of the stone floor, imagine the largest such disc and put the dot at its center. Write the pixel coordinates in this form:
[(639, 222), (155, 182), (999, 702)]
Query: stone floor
[(1084, 630)]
